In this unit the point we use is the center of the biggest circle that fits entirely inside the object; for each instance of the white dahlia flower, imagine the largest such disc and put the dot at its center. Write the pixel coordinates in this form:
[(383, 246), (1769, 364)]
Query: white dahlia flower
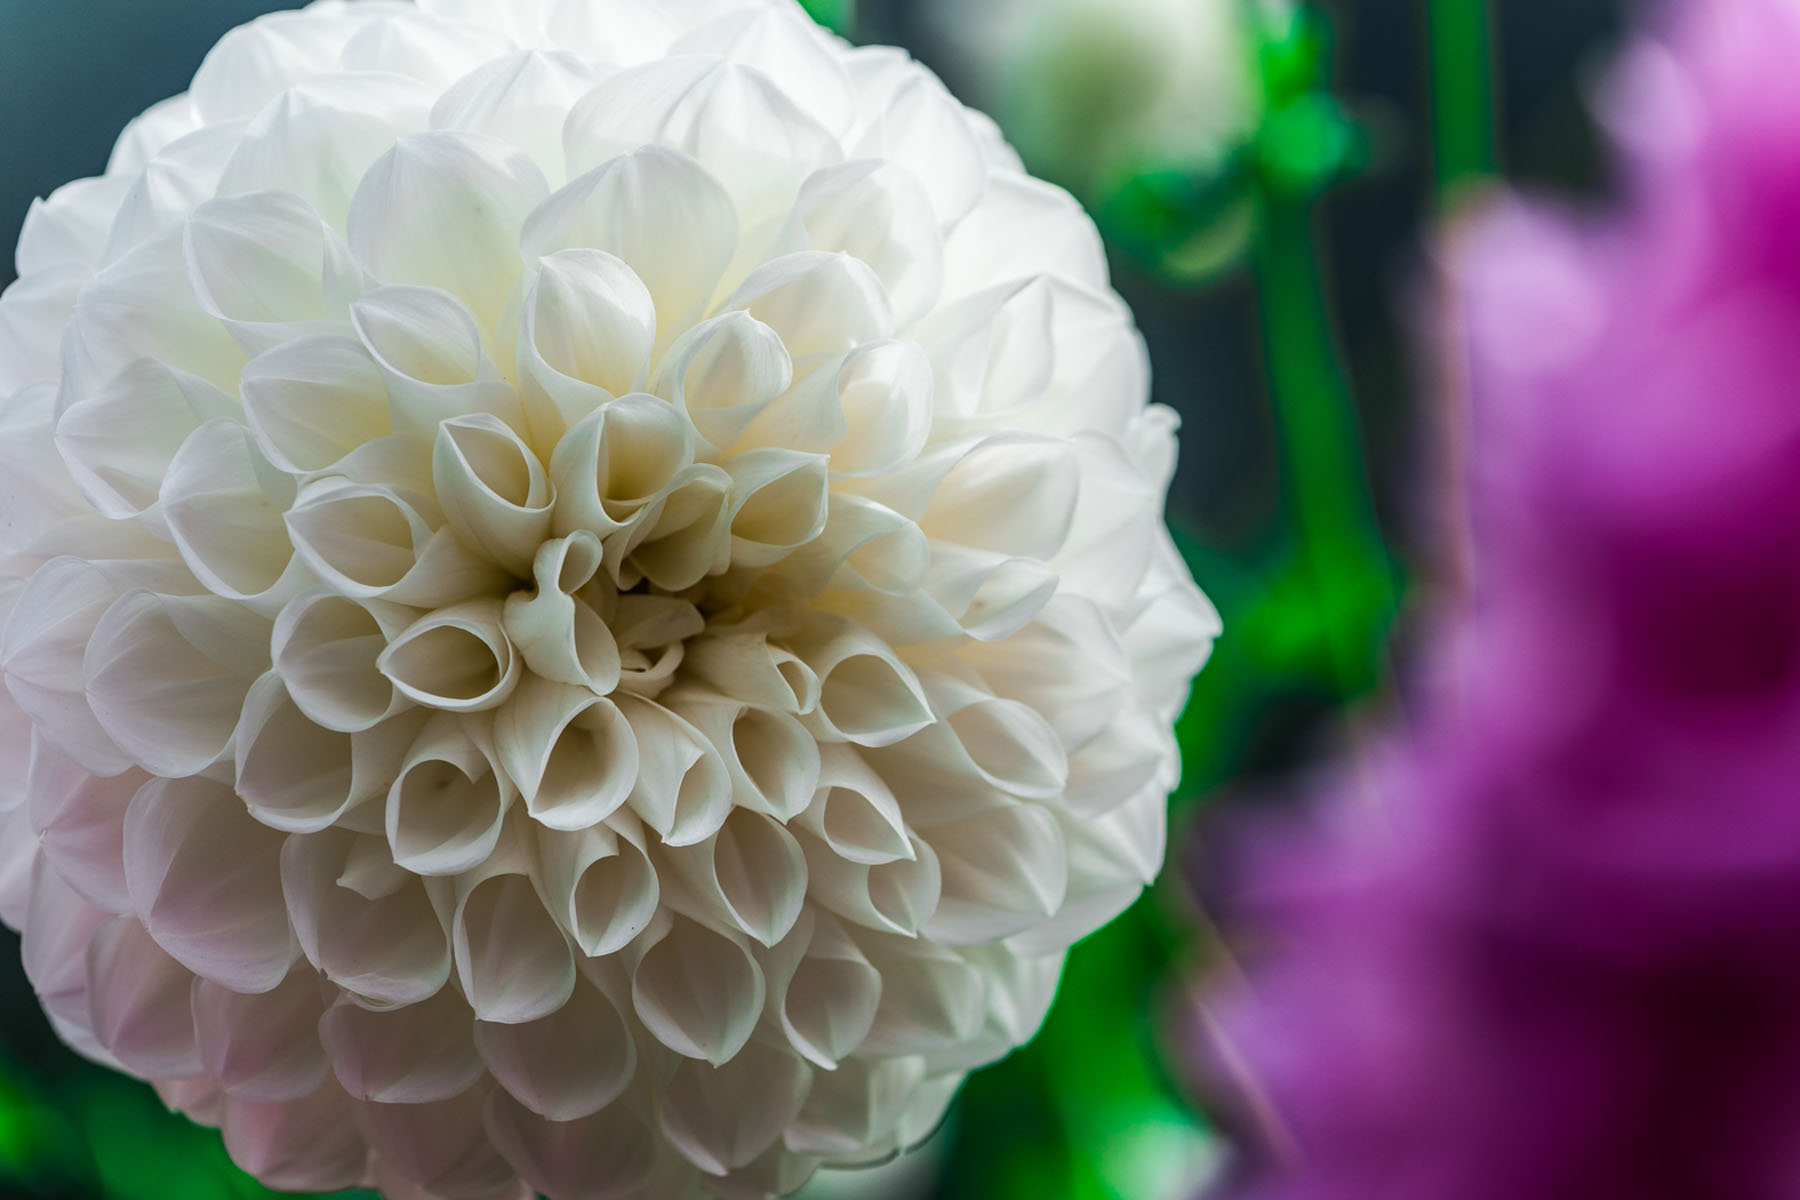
[(586, 602)]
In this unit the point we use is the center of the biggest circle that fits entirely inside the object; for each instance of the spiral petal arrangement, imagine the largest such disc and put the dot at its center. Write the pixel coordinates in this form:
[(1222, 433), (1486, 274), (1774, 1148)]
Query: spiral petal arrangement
[(586, 605)]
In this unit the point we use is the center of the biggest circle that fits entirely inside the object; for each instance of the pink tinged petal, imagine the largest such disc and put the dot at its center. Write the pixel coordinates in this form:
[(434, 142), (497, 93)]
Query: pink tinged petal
[(444, 210), (140, 1002), (735, 121), (512, 959), (749, 876), (118, 443), (448, 800), (457, 659), (697, 990), (326, 649), (440, 1148), (723, 373), (312, 401), (565, 1066), (520, 98), (588, 330), (853, 1108), (411, 1055), (572, 753), (224, 506), (654, 208), (607, 1156), (599, 884), (1004, 871), (683, 791), (167, 677), (46, 637), (205, 880), (78, 821), (264, 1047), (59, 925), (269, 267), (319, 138), (305, 1145), (723, 1117), (368, 925), (559, 634)]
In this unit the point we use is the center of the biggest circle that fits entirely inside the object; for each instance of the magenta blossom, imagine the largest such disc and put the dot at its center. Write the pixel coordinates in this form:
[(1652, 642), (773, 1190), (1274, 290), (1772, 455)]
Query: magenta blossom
[(1550, 947)]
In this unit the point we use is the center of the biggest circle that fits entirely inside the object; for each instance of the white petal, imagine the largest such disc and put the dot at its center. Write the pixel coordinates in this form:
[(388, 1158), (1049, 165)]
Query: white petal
[(387, 946), (621, 31), (749, 875), (656, 209), (70, 227), (723, 1117), (370, 542), (419, 46), (118, 443), (780, 501), (326, 647), (599, 884), (430, 348), (856, 813), (568, 1065), (588, 330), (746, 667), (263, 1047), (723, 373), (866, 694), (560, 636), (608, 1156), (683, 791), (457, 659), (572, 753), (448, 800), (897, 896), (783, 44), (33, 312), (183, 175), (922, 127), (931, 997), (437, 191), (511, 958), (139, 1002), (733, 120), (617, 463), (855, 1107), (864, 547), (205, 880), (223, 507), (40, 493), (698, 991), (167, 676), (689, 539), (410, 1055), (1023, 228), (267, 265), (1004, 870), (520, 98), (312, 401), (772, 760), (253, 63), (877, 211), (827, 998), (47, 634), (319, 138), (819, 303)]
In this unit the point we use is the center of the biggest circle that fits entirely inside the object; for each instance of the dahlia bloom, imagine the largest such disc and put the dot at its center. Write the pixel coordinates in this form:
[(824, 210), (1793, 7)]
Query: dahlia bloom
[(586, 607), (1548, 950)]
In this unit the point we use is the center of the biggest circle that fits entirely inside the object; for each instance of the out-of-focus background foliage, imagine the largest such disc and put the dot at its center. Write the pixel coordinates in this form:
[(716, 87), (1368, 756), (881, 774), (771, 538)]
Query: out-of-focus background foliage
[(1265, 175)]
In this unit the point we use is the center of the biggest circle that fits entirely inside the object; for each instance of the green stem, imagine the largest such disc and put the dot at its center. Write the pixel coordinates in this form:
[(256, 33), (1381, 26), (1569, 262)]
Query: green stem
[(1461, 93), (1326, 480)]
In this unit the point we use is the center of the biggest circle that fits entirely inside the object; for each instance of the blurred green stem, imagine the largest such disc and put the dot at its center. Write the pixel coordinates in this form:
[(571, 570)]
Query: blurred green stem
[(1321, 440), (1461, 92)]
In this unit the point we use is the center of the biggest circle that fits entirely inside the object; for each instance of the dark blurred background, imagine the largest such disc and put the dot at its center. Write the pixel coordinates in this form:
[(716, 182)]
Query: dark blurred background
[(1090, 1111)]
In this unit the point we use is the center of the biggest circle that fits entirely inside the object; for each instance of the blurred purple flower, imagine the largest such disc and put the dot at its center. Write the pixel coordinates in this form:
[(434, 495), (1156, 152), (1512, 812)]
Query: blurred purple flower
[(1549, 946)]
